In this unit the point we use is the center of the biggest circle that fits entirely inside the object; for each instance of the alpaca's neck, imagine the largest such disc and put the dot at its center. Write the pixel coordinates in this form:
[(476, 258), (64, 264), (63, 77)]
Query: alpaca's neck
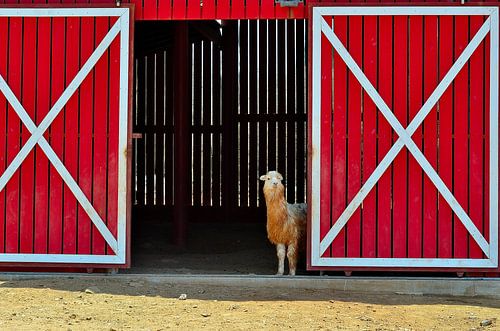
[(276, 208)]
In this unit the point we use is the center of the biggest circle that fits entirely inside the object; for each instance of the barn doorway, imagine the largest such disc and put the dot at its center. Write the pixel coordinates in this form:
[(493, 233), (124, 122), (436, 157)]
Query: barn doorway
[(246, 102)]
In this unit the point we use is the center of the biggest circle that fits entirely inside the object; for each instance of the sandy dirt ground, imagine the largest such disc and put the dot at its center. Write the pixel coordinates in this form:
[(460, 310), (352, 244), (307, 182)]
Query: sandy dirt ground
[(118, 304)]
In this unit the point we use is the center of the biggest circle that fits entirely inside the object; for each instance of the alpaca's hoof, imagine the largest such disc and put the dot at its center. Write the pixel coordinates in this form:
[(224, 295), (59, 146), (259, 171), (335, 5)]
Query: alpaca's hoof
[(279, 274), (292, 273)]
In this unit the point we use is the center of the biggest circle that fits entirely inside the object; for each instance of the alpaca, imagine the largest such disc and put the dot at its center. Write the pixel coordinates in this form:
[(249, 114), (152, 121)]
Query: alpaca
[(286, 223)]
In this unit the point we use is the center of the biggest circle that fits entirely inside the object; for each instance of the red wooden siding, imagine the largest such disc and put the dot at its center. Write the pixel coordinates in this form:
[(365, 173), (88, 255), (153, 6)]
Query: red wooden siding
[(403, 216), (39, 57)]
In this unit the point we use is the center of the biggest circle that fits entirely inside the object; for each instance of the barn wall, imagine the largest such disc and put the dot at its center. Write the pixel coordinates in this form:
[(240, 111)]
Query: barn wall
[(237, 134)]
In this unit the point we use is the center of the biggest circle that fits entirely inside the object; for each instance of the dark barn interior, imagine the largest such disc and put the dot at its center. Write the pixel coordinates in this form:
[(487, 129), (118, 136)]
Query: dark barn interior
[(203, 136)]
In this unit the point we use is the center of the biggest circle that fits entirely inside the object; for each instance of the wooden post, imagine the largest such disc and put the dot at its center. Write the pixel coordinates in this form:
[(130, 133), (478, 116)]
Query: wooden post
[(229, 110), (181, 131)]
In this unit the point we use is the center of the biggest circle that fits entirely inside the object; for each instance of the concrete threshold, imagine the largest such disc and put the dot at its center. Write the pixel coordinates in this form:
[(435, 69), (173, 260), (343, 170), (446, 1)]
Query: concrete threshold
[(466, 287)]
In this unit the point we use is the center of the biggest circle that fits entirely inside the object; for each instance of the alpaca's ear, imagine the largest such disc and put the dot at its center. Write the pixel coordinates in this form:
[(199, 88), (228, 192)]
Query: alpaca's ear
[(280, 177), (263, 177)]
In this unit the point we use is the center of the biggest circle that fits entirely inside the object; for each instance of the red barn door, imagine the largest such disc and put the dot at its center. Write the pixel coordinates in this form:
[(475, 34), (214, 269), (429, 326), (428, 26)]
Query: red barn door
[(64, 122), (404, 136)]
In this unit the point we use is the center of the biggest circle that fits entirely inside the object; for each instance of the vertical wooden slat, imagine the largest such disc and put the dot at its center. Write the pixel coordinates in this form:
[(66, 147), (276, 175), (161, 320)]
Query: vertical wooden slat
[(164, 9), (445, 136), (159, 113), (4, 42), (149, 9), (197, 77), (414, 169), (339, 166), (169, 157), (13, 136), (430, 235), (354, 137), (291, 112), (208, 10), (223, 9), (179, 9), (141, 112), (460, 132), (271, 88), (301, 110), (71, 135), (384, 131), (266, 9), (150, 129), (113, 136), (252, 9), (253, 176), (400, 162), (216, 155), (263, 92), (476, 116), (101, 96), (85, 131), (194, 9), (369, 119), (206, 122), (57, 138), (326, 124), (237, 9), (243, 111), (27, 168), (281, 111)]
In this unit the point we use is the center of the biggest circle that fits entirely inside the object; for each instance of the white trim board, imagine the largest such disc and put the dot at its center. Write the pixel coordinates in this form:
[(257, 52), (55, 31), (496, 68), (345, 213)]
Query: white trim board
[(321, 27), (118, 245)]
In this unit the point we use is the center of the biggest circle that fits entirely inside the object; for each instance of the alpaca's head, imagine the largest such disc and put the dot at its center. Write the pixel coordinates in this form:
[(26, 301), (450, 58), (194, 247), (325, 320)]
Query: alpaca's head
[(273, 188)]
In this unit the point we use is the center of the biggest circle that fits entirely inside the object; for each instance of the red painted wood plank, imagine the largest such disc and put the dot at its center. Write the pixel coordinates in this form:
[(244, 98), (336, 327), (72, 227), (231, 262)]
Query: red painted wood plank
[(476, 117), (138, 9), (460, 131), (101, 100), (486, 131), (266, 9), (164, 9), (13, 136), (194, 9), (42, 163), (430, 235), (86, 142), (179, 9), (252, 9), (281, 12), (4, 41), (384, 186), (326, 138), (338, 175), (445, 137), (57, 136), (237, 9), (71, 135), (149, 9), (208, 9), (353, 227), (113, 134), (369, 118), (298, 12), (223, 9), (414, 170), (400, 111), (27, 168)]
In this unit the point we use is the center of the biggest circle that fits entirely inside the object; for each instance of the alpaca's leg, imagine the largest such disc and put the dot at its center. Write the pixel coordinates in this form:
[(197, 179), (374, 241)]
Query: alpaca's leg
[(292, 258), (281, 252)]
